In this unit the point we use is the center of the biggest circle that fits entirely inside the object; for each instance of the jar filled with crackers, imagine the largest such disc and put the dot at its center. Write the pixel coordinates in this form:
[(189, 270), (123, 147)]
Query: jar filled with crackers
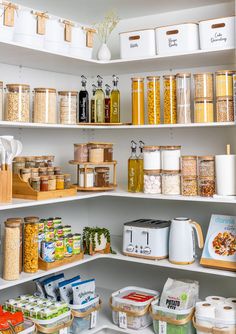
[(153, 99), (17, 103), (30, 257), (45, 105)]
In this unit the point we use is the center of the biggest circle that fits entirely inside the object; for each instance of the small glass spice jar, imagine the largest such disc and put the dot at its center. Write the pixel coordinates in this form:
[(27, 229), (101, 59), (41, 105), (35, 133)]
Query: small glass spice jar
[(102, 176), (18, 164), (57, 170), (170, 110), (108, 152), (189, 165), (203, 111), (96, 152), (206, 166), (67, 181), (39, 162), (42, 171), (34, 172), (29, 162), (25, 174), (44, 183), (151, 182), (153, 98), (171, 183), (30, 257), (49, 160), (81, 152), (17, 103), (89, 183), (60, 182), (189, 186), (35, 183), (207, 187), (50, 171), (52, 185), (224, 109)]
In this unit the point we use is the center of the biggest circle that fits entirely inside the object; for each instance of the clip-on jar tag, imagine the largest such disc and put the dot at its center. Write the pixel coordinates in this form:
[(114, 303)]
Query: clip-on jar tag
[(93, 320), (9, 14), (41, 23), (122, 320), (68, 28), (89, 37)]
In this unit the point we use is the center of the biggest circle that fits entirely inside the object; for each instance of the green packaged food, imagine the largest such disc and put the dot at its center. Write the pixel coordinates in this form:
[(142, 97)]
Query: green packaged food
[(67, 230), (76, 244), (49, 235), (56, 222)]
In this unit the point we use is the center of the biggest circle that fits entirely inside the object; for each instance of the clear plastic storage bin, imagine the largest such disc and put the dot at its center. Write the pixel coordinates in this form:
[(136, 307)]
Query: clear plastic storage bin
[(60, 324)]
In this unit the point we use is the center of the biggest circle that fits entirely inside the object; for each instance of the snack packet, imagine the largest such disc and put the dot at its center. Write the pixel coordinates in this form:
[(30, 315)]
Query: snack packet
[(51, 287), (83, 292), (65, 289)]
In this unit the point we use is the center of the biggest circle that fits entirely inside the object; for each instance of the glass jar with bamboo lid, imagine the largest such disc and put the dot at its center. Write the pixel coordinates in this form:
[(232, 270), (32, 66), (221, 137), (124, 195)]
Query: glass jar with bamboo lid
[(68, 101), (224, 83), (45, 105), (183, 89), (153, 100), (203, 110), (170, 112), (17, 103), (138, 101), (203, 85)]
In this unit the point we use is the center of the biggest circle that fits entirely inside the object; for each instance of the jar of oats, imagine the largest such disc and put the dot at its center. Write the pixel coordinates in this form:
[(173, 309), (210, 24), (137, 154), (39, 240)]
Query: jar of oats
[(68, 106), (30, 257), (45, 105), (17, 103)]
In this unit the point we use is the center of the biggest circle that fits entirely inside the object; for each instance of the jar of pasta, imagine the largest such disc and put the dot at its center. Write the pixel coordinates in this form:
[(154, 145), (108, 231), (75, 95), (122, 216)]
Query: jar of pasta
[(153, 99), (45, 105), (68, 106), (183, 89), (30, 257), (224, 109), (171, 183), (189, 186), (203, 111), (189, 165), (207, 187), (203, 86), (17, 103), (151, 182), (224, 83), (206, 166), (170, 112), (138, 101)]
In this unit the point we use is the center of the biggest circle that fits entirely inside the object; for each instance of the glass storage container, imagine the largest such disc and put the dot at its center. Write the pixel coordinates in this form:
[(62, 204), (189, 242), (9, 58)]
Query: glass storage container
[(30, 254), (34, 172), (189, 186), (48, 160), (206, 166), (17, 103), (45, 106), (39, 162), (43, 183), (57, 170), (206, 187), (183, 91), (102, 176), (170, 158), (67, 181), (170, 112), (52, 184), (1, 101), (138, 101), (89, 178), (25, 174), (35, 183), (171, 183), (203, 111), (30, 162), (81, 152), (18, 164), (203, 86), (224, 83), (68, 101), (60, 182), (108, 152), (96, 152), (42, 171), (189, 165), (151, 182), (50, 170), (153, 99), (12, 250), (224, 109), (151, 158)]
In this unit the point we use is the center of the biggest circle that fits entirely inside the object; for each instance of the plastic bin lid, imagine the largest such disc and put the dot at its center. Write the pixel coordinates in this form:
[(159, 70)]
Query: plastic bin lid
[(119, 295)]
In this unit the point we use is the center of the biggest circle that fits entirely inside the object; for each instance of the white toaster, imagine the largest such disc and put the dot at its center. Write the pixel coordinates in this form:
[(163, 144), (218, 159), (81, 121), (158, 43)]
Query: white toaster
[(146, 238)]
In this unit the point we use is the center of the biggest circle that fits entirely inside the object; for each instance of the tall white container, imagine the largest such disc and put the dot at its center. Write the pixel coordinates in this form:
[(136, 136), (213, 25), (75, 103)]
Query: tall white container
[(217, 33), (78, 47), (226, 174), (179, 38), (55, 36)]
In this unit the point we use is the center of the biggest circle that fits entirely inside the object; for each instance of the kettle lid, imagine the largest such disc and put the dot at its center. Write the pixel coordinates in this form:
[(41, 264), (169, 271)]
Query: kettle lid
[(181, 219)]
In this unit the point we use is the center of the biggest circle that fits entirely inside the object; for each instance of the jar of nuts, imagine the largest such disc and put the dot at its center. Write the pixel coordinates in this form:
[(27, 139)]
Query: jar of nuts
[(224, 109), (206, 187), (30, 258), (189, 186), (17, 103), (170, 112), (153, 97), (45, 105)]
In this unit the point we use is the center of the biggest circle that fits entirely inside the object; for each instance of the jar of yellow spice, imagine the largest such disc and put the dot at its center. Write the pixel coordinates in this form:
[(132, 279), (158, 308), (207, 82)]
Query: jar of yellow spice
[(153, 97)]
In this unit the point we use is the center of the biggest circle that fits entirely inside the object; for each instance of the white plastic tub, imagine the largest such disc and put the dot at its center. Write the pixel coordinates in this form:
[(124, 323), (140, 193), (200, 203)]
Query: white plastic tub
[(137, 44), (132, 314), (26, 29), (217, 33), (6, 33), (78, 46), (55, 36), (179, 38), (166, 320), (59, 323)]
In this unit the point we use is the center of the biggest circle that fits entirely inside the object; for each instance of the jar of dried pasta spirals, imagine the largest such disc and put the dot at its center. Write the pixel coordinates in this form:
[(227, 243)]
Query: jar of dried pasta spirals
[(30, 258), (170, 112), (17, 103), (153, 100)]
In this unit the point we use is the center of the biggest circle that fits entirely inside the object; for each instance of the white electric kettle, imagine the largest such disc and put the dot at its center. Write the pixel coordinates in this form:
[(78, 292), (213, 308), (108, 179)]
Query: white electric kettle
[(182, 241)]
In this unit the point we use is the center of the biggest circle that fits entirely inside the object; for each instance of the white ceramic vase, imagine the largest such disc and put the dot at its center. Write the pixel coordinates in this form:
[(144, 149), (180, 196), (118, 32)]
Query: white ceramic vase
[(104, 53)]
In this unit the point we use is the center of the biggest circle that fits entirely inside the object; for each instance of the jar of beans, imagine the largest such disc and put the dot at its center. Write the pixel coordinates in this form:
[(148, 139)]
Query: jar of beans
[(206, 166), (68, 106), (206, 187), (189, 186), (171, 183), (170, 112), (153, 98), (224, 83), (81, 152), (224, 109), (189, 165), (152, 182), (45, 105), (18, 164), (17, 103), (30, 243), (183, 88), (203, 85)]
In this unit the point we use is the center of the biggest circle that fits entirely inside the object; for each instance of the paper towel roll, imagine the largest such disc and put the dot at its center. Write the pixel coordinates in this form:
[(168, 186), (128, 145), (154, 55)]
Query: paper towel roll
[(216, 300), (205, 309), (225, 174), (225, 312), (231, 301)]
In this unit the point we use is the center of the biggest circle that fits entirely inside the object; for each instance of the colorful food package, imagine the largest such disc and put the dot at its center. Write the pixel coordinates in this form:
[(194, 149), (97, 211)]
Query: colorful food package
[(83, 292), (220, 245), (65, 289), (51, 287)]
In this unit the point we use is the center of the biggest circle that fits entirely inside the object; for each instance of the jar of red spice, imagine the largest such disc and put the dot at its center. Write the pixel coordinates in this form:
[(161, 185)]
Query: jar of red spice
[(44, 183)]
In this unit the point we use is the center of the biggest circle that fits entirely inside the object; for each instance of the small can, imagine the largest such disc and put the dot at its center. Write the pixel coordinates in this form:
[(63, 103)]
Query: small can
[(59, 249), (68, 244), (41, 225), (59, 232), (67, 229), (48, 251), (49, 235), (57, 222), (49, 224), (41, 237), (76, 243)]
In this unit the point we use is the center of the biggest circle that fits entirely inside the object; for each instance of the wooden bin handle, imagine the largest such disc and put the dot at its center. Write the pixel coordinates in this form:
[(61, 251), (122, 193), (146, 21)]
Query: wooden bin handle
[(170, 320), (78, 314), (57, 328)]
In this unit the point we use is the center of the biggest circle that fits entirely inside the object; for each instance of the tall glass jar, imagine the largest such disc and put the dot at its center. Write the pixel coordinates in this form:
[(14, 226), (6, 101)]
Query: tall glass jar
[(203, 85), (45, 105), (81, 152), (183, 88), (170, 112), (224, 83), (153, 99), (1, 101), (68, 106), (138, 101), (30, 258), (203, 111), (88, 181), (12, 250), (17, 103)]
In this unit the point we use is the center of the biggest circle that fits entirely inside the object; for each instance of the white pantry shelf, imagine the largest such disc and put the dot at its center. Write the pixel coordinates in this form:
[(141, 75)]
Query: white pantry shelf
[(8, 124), (16, 54), (116, 243)]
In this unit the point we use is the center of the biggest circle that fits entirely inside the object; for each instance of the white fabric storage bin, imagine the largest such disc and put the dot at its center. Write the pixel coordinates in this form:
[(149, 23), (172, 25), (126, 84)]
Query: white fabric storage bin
[(179, 38), (78, 46), (26, 29), (137, 44), (6, 33), (54, 38), (217, 33)]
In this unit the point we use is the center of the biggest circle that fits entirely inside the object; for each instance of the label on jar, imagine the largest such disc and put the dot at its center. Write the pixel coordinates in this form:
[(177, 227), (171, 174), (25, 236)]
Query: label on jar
[(122, 320), (162, 327), (93, 320)]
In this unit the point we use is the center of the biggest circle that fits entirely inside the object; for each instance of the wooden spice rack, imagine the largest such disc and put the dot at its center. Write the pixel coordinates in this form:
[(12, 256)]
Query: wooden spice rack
[(86, 165), (23, 190), (58, 263)]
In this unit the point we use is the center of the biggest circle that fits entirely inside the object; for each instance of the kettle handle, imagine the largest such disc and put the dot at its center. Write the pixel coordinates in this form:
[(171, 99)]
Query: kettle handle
[(198, 229)]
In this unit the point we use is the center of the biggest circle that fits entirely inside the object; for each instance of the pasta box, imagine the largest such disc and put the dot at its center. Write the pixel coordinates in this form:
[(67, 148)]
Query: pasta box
[(220, 245)]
